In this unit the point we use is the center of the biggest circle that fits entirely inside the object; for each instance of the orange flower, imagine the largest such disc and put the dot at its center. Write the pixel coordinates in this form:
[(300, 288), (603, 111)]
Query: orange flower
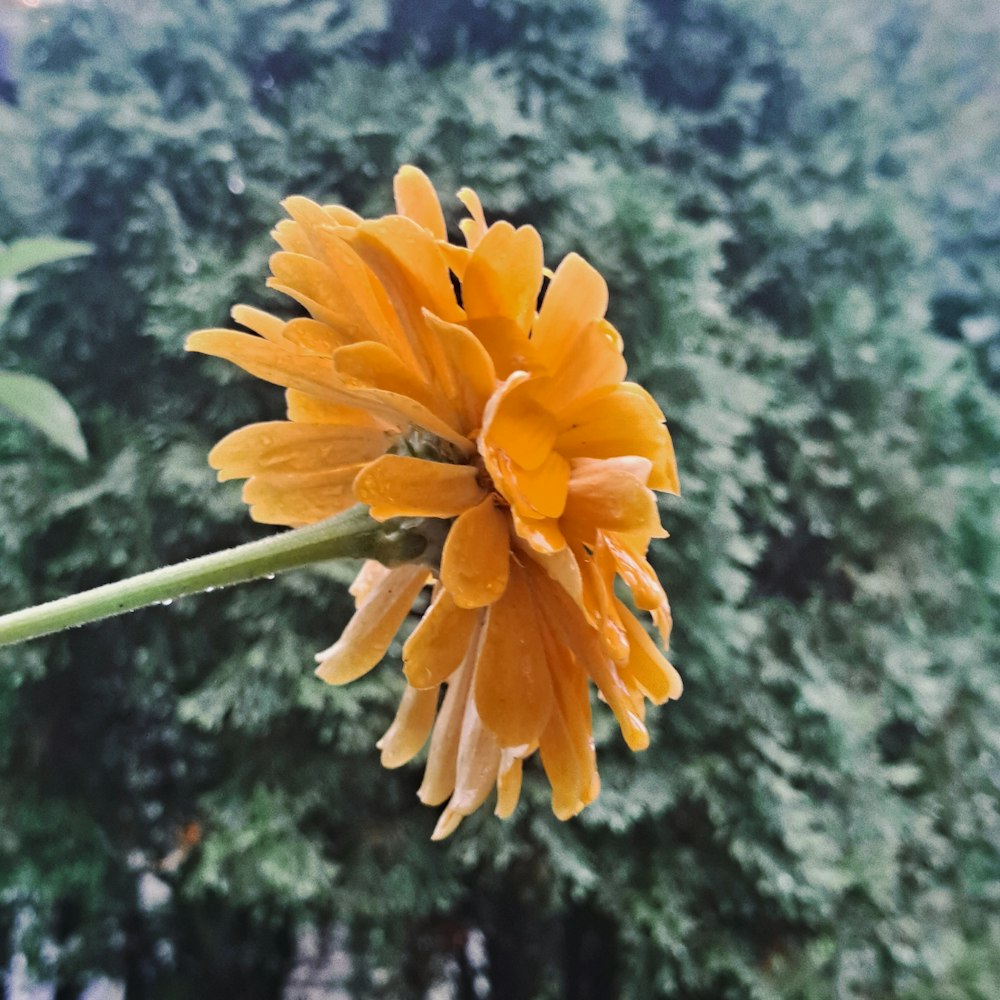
[(511, 422)]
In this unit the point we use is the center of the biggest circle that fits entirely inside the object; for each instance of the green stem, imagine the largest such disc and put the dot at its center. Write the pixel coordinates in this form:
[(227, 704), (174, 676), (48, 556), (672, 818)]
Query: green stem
[(351, 535)]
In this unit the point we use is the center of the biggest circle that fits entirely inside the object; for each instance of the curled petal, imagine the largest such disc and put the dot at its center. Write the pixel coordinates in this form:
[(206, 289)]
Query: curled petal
[(411, 727), (440, 642), (442, 758), (611, 495), (368, 634)]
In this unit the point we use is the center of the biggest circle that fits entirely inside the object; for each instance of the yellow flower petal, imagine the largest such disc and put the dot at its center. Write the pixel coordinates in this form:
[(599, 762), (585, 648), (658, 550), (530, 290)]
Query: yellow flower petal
[(268, 326), (417, 200), (316, 337), (375, 366), (439, 643), (540, 492), (398, 486), (475, 228), (576, 297), (271, 362), (411, 727), (307, 409), (653, 672), (439, 775), (471, 366), (512, 686), (508, 783), (297, 498), (504, 275), (516, 423), (279, 446), (476, 766), (508, 347), (626, 421), (475, 563), (368, 634), (607, 494)]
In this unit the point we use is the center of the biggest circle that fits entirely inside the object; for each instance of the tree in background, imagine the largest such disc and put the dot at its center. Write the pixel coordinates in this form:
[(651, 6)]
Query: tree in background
[(818, 816)]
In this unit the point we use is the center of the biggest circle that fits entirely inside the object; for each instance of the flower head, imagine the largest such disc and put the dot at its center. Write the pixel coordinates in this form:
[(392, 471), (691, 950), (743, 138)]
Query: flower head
[(512, 424)]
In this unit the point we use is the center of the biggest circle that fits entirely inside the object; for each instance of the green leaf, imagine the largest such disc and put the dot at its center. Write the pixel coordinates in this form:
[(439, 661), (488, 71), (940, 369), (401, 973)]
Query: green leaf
[(22, 255), (40, 404)]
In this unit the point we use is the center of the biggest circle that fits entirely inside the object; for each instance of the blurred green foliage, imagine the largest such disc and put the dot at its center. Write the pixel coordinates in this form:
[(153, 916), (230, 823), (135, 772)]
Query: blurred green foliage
[(787, 227), (28, 397)]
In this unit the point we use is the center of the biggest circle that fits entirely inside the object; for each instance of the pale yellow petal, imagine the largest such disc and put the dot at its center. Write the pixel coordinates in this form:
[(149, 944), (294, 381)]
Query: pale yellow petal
[(411, 727), (439, 775), (368, 634)]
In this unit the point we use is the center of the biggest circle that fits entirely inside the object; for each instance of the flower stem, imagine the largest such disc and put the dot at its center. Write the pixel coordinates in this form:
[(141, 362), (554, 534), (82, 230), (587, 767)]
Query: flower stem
[(350, 535)]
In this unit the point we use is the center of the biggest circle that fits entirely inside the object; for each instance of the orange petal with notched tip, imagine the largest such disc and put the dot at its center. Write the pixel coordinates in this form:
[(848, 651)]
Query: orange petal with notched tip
[(368, 634), (504, 275), (398, 486), (595, 363), (410, 728), (475, 563), (439, 643), (417, 200), (280, 446), (576, 297), (296, 498), (512, 686)]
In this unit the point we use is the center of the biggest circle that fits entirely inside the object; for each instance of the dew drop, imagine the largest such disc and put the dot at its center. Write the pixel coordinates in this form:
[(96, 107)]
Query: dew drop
[(167, 601), (270, 576)]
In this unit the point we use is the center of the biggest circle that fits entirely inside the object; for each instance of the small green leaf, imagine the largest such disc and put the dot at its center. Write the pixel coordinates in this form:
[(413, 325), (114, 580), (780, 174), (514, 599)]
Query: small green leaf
[(22, 255), (42, 405)]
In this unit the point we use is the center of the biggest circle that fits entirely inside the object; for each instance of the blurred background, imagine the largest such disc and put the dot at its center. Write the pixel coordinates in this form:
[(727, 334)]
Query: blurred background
[(797, 207)]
